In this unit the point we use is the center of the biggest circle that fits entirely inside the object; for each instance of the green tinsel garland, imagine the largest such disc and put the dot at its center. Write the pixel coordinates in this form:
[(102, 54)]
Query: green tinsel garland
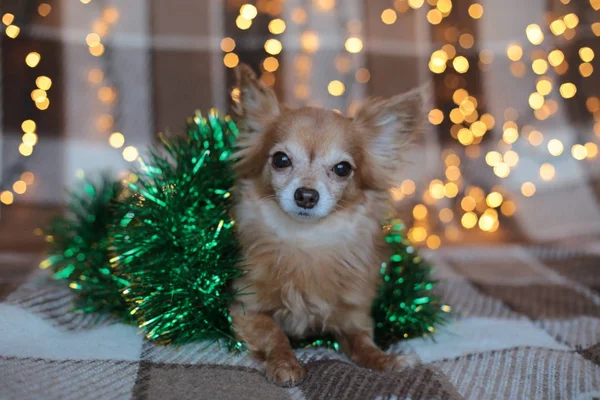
[(163, 255)]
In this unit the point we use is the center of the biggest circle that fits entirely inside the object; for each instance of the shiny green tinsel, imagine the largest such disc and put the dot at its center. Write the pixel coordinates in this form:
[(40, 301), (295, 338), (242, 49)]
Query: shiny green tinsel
[(78, 248), (175, 242)]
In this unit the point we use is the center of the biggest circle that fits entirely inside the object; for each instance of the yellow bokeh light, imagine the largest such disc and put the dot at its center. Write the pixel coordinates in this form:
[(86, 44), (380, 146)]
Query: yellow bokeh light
[(514, 52), (12, 31), (28, 126), (456, 116), (8, 18), (435, 16), (510, 135), (92, 39), (25, 150), (466, 40), (555, 147), (243, 23), (511, 158), (353, 45), (478, 128), (336, 88), (475, 11), (19, 187), (38, 95), (452, 160), (97, 51), (586, 70), (248, 11), (468, 203), (494, 199), (501, 170), (487, 222), (268, 78), (568, 90), (436, 189), (508, 208), (452, 173), (556, 57), (417, 234), (460, 64), (95, 75), (518, 69), (299, 16), (579, 152), (130, 153), (586, 54), (469, 220), (492, 158), (571, 20), (362, 75), (596, 28), (534, 34), (277, 26), (591, 149), (445, 6), (488, 120), (396, 194), (436, 116), (544, 86), (547, 171), (44, 9), (446, 215), (43, 82), (227, 44), (408, 187), (30, 139), (539, 66), (450, 190), (558, 27), (415, 3), (302, 91), (116, 140), (6, 197), (486, 56), (528, 189), (270, 64), (28, 177), (592, 104), (465, 136), (450, 50), (420, 211), (43, 105), (324, 5), (274, 46), (309, 41), (110, 15), (388, 16), (536, 100), (32, 59), (433, 242)]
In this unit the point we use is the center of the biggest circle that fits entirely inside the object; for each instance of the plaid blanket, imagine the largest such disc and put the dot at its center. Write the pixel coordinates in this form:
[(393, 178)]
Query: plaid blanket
[(526, 324)]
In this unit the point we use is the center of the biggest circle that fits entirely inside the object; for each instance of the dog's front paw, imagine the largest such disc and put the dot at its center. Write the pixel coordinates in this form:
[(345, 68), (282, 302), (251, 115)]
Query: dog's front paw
[(285, 372), (381, 361)]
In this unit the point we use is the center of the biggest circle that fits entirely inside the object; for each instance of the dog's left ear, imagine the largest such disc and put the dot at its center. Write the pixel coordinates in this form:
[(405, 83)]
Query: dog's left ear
[(388, 126), (258, 105)]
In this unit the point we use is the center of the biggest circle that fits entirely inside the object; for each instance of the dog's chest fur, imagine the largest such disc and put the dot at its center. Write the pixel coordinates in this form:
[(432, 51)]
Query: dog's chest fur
[(307, 276)]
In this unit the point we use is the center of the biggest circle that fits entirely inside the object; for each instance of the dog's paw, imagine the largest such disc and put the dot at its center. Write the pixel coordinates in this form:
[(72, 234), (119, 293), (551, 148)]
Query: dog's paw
[(286, 373), (381, 361)]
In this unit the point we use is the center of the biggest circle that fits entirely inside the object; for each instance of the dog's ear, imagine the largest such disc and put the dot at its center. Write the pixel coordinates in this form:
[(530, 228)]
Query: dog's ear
[(258, 105), (389, 125)]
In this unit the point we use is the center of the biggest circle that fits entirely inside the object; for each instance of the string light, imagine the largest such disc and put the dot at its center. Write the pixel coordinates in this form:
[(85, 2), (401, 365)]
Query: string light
[(353, 45), (277, 26), (388, 16), (32, 59), (475, 11)]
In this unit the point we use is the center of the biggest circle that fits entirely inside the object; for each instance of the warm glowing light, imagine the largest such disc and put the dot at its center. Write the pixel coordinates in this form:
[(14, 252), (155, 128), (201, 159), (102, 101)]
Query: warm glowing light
[(518, 69), (539, 66), (19, 187), (396, 194), (417, 234), (488, 120), (469, 220), (354, 45), (475, 11), (452, 160), (596, 28), (388, 16), (487, 222), (97, 51), (277, 26), (415, 3), (508, 208), (579, 152), (130, 153), (270, 64), (274, 46), (494, 199), (38, 95), (25, 150), (501, 170), (324, 5), (591, 149), (555, 147), (433, 242), (43, 82), (302, 91), (30, 139), (116, 140), (408, 187), (28, 177), (466, 40), (450, 190), (586, 54), (8, 18), (558, 27), (528, 189), (43, 105), (511, 158), (536, 100), (543, 86), (460, 64), (534, 34), (510, 135), (436, 116), (299, 16), (434, 16), (514, 52), (12, 31), (242, 22), (456, 116), (420, 211), (452, 173), (465, 136), (363, 75), (44, 9), (586, 69), (468, 203), (556, 57), (28, 126), (571, 20), (248, 11), (492, 158), (568, 90), (547, 171), (436, 189), (95, 76), (336, 88), (32, 59), (227, 44), (6, 197), (446, 215), (92, 39)]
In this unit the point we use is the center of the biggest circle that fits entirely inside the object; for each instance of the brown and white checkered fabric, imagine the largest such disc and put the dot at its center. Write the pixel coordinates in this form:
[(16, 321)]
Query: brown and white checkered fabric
[(526, 325)]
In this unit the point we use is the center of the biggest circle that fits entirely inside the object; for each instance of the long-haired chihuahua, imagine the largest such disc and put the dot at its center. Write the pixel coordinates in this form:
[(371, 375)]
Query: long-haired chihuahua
[(313, 189)]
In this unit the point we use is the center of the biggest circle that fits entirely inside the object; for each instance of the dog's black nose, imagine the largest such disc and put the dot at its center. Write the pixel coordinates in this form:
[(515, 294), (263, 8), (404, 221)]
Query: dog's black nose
[(306, 198)]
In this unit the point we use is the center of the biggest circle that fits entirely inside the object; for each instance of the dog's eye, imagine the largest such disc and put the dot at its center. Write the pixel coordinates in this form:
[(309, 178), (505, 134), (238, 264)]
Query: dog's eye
[(281, 160), (342, 169)]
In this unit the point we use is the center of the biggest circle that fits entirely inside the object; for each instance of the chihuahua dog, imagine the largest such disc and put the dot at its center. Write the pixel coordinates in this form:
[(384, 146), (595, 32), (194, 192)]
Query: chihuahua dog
[(312, 189)]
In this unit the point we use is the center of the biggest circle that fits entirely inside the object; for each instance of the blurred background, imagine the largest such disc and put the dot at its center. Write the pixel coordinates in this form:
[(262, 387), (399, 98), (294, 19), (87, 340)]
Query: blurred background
[(510, 151)]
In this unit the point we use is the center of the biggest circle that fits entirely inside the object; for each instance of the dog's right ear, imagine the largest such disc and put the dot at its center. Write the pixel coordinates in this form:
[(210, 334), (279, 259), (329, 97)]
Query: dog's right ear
[(258, 105)]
